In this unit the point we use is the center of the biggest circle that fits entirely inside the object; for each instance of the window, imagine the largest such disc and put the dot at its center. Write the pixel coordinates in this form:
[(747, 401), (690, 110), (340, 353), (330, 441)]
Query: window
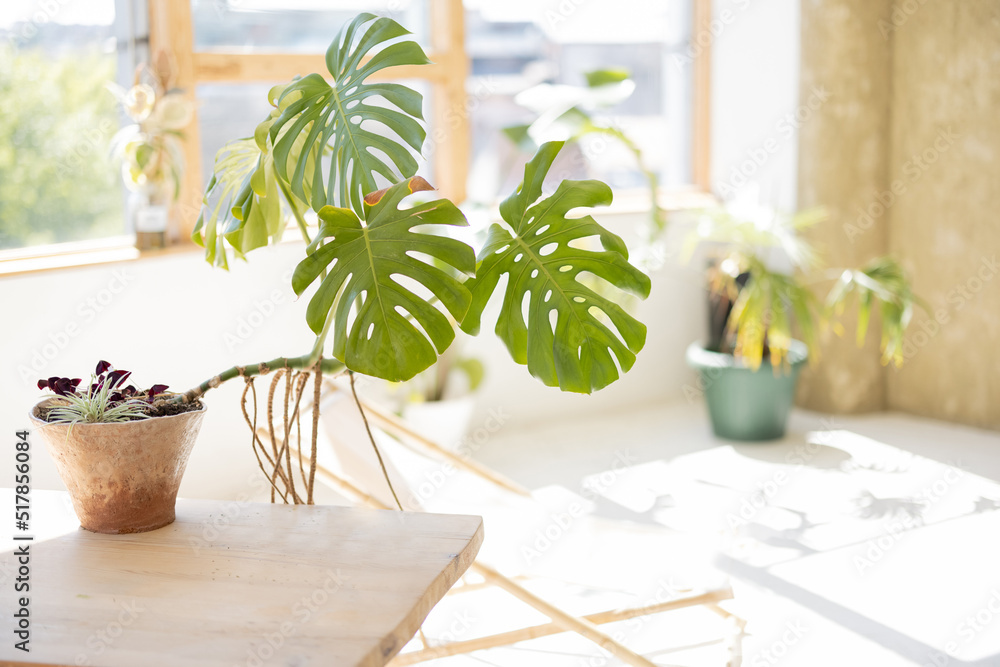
[(519, 44), (57, 181), (227, 53)]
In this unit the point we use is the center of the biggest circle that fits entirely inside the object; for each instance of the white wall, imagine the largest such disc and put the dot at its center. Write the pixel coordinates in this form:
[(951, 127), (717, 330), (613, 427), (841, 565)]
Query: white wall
[(167, 320), (755, 97)]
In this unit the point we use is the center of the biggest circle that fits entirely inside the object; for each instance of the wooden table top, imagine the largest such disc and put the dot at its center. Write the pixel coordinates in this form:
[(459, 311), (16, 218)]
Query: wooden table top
[(231, 584)]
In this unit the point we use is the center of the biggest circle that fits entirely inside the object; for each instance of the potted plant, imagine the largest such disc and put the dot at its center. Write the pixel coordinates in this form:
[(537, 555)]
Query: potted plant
[(149, 150), (761, 277), (120, 451)]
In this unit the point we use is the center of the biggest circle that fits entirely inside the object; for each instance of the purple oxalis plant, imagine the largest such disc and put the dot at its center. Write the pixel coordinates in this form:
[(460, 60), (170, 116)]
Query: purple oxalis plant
[(104, 374)]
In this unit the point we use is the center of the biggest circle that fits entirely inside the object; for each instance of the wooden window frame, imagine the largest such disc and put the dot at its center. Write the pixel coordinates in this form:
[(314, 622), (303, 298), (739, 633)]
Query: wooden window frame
[(171, 30)]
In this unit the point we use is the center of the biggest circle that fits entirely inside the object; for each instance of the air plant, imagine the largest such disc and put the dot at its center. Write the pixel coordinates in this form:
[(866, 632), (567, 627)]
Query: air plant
[(107, 400)]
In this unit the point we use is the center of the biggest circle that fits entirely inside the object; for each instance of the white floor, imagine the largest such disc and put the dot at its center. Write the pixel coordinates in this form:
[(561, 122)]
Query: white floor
[(868, 541)]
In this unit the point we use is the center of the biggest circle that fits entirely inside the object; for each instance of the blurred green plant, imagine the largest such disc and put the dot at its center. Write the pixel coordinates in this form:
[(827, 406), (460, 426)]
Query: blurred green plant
[(57, 182), (569, 113), (766, 305), (150, 150)]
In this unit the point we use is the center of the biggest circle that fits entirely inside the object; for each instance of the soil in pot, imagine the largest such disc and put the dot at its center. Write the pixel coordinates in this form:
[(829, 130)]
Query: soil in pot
[(123, 477)]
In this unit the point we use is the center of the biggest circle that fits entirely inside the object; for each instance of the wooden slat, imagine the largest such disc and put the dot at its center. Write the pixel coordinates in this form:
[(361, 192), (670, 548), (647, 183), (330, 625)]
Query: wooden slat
[(170, 31), (227, 67), (581, 626), (701, 141), (450, 134), (546, 629)]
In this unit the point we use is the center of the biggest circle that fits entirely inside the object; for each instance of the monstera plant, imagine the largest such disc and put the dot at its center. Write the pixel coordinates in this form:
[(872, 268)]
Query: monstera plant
[(386, 282)]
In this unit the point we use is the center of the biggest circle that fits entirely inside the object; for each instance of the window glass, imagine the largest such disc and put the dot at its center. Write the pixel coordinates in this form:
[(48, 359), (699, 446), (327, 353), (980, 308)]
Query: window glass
[(57, 119), (517, 45), (228, 111), (291, 26)]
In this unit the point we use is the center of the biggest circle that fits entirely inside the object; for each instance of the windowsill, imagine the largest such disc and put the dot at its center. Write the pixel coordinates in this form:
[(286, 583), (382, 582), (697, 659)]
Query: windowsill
[(121, 249), (80, 254)]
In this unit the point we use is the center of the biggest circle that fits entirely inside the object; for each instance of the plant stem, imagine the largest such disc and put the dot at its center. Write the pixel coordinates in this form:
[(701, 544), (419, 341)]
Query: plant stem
[(659, 222), (328, 367), (317, 351), (371, 438), (295, 211)]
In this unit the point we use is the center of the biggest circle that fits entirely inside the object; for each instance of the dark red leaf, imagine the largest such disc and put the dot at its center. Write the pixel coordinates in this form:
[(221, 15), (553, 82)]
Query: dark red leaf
[(118, 377), (102, 366), (43, 384), (63, 386)]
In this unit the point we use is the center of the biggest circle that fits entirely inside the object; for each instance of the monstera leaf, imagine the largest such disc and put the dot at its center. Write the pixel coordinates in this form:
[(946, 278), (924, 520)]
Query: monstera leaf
[(570, 332), (345, 113), (244, 202), (372, 268), (236, 165)]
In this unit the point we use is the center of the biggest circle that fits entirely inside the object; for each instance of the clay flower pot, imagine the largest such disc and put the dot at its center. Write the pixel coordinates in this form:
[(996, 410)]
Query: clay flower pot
[(122, 477)]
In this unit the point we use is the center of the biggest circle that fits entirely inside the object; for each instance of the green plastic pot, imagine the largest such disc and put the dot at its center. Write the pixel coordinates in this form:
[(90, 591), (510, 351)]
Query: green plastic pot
[(744, 404)]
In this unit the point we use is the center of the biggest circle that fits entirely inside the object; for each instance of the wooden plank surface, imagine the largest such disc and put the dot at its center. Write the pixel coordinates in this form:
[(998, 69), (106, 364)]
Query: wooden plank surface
[(232, 584)]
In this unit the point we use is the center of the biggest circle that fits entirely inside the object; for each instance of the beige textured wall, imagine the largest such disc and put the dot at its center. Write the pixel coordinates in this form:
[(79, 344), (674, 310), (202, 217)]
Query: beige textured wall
[(945, 151), (906, 155), (843, 162)]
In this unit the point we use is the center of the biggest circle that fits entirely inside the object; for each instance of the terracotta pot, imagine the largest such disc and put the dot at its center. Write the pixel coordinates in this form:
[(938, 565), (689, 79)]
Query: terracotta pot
[(122, 478)]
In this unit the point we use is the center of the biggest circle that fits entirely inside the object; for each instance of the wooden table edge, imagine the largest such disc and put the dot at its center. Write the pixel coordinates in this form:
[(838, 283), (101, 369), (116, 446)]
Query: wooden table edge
[(389, 645)]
